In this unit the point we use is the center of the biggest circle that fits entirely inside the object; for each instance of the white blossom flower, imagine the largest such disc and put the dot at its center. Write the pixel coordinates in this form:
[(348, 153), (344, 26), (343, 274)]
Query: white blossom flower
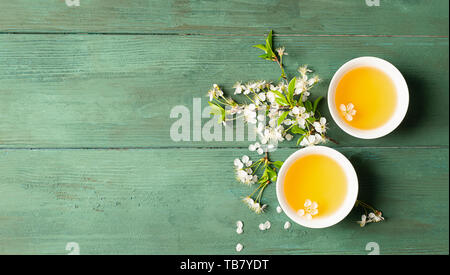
[(270, 134), (238, 88), (215, 92), (270, 97), (308, 140), (300, 86), (363, 221), (313, 81), (311, 209), (348, 111), (372, 217), (244, 173), (321, 126), (376, 217), (250, 113), (254, 206), (281, 51), (300, 115), (259, 208), (304, 70), (305, 96)]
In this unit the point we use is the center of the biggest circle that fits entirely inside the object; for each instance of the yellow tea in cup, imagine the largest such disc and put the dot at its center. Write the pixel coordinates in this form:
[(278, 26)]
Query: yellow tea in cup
[(366, 98), (316, 179)]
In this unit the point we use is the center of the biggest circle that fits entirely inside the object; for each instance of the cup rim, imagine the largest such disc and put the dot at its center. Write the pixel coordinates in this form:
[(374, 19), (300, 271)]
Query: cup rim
[(401, 89), (352, 187)]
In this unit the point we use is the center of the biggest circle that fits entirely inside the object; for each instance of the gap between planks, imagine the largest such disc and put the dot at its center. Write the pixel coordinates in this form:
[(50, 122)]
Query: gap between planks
[(237, 35)]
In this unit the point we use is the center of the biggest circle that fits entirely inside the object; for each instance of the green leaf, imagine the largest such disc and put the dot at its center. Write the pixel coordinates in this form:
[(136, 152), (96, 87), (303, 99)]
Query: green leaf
[(261, 46), (277, 164), (265, 56), (278, 93), (291, 89), (272, 174), (308, 106), (264, 177), (297, 130), (316, 102), (216, 109), (282, 117), (269, 41), (282, 101)]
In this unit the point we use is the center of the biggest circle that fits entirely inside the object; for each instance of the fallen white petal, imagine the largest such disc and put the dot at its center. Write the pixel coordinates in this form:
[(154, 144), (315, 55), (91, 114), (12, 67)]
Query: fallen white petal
[(279, 210), (267, 224), (239, 224), (239, 247), (262, 227), (301, 212), (287, 225), (239, 230)]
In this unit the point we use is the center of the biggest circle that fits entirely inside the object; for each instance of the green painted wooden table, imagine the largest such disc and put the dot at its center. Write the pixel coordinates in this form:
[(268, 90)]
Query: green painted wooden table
[(85, 98)]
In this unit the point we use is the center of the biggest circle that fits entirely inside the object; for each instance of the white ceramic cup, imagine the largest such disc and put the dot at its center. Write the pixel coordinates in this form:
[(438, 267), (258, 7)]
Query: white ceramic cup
[(350, 198), (400, 86)]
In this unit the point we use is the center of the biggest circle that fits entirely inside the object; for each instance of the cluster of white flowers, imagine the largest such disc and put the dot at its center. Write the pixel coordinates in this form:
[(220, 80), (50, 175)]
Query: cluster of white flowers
[(372, 217), (249, 88), (348, 111), (304, 83), (215, 92), (254, 206), (312, 140), (244, 172), (311, 209), (256, 147)]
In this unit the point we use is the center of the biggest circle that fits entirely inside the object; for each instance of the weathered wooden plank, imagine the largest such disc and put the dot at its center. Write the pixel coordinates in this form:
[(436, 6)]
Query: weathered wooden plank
[(118, 91), (324, 17), (186, 201)]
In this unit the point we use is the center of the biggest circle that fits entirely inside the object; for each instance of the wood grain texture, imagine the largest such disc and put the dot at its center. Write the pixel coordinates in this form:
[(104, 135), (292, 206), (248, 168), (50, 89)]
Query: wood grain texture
[(102, 91), (246, 17), (173, 201)]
